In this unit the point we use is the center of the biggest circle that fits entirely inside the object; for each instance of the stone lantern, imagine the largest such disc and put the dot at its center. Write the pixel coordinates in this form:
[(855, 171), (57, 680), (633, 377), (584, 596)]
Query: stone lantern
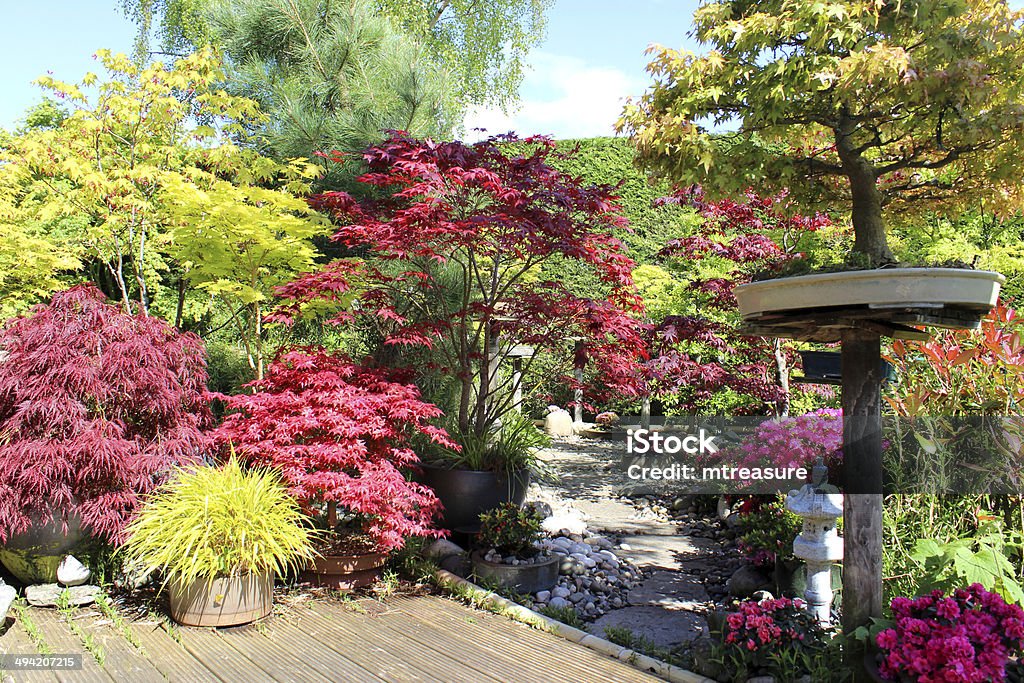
[(818, 544)]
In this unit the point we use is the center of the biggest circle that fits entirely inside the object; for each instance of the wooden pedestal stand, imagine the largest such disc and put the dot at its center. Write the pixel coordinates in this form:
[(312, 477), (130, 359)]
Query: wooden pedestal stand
[(859, 329)]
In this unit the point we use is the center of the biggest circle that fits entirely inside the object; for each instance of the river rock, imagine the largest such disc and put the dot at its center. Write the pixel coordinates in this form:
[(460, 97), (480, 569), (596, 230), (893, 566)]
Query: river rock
[(71, 572), (747, 580), (558, 422), (48, 594)]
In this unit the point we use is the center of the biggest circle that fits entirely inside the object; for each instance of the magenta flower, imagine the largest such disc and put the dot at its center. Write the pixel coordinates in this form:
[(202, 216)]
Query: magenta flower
[(964, 638)]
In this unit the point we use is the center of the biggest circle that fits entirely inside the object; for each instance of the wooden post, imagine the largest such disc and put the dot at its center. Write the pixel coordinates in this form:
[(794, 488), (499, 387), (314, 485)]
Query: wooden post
[(517, 383), (578, 397), (493, 369), (862, 482)]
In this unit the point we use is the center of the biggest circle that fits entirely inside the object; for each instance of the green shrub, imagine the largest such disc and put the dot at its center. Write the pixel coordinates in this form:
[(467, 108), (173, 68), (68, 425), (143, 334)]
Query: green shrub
[(211, 522), (510, 530)]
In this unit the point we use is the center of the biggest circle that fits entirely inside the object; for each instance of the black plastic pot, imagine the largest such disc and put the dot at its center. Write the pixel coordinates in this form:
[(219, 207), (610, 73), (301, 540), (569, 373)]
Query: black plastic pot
[(466, 493)]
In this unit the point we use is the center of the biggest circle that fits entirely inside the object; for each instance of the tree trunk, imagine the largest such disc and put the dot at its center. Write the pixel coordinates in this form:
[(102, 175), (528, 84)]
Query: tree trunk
[(781, 377), (868, 226)]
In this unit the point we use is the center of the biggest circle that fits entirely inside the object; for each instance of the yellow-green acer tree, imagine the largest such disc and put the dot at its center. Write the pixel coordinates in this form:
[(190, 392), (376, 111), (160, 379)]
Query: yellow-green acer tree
[(876, 103), (159, 171)]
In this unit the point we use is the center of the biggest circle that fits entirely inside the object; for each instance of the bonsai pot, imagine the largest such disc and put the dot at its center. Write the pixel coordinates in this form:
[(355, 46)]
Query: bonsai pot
[(466, 493), (227, 601), (521, 578), (33, 555), (344, 572), (971, 290)]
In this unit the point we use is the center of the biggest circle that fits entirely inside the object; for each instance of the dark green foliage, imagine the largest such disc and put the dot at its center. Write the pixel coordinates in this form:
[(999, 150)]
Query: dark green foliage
[(609, 161), (510, 530)]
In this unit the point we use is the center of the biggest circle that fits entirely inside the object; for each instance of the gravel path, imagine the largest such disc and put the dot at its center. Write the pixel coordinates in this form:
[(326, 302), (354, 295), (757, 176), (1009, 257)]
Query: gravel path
[(683, 554)]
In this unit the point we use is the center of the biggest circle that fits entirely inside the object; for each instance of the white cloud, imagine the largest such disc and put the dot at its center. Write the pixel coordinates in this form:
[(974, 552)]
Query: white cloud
[(563, 97)]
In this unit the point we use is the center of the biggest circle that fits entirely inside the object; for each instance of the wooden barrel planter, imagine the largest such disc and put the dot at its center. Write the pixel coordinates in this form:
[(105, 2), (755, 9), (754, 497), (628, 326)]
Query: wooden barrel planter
[(228, 601)]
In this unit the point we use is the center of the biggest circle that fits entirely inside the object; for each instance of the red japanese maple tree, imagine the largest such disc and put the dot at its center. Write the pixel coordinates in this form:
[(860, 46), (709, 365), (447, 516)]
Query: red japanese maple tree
[(465, 258), (699, 355), (95, 406), (340, 434)]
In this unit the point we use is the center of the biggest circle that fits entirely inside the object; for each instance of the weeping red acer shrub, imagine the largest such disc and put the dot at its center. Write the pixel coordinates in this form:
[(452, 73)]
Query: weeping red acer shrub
[(95, 406), (464, 264), (340, 434)]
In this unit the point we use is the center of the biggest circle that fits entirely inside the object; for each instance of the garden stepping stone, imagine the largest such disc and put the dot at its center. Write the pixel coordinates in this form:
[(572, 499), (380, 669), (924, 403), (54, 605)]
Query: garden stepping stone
[(49, 594), (665, 628), (670, 590), (71, 572)]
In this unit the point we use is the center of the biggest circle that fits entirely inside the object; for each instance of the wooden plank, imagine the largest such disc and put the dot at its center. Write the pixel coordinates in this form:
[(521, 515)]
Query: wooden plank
[(283, 664), (315, 655), (522, 643), (124, 662), (171, 659), (477, 645), (59, 637), (383, 657), (225, 662), (449, 653), (15, 641)]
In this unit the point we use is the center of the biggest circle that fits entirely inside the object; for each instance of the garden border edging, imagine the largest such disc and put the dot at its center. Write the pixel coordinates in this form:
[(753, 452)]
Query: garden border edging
[(523, 614)]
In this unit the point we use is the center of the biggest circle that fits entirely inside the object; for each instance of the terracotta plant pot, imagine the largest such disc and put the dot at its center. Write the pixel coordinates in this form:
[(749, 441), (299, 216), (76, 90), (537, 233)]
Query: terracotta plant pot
[(466, 493), (33, 555), (521, 578), (344, 572), (224, 602)]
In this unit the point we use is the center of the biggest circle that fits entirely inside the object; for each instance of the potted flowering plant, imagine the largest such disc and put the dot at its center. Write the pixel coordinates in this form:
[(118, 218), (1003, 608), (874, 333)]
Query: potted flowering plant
[(508, 551), (971, 633), (340, 435)]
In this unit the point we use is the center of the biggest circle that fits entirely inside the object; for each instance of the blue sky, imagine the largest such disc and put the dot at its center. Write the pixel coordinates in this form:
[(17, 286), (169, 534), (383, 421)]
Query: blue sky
[(592, 57)]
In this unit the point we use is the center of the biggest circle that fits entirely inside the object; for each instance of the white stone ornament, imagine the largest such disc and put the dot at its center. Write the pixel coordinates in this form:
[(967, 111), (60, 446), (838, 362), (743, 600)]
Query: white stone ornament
[(818, 544), (7, 597), (558, 422), (71, 572)]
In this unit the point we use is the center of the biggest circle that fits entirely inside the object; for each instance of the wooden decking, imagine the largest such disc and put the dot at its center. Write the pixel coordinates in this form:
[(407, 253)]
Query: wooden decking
[(405, 638)]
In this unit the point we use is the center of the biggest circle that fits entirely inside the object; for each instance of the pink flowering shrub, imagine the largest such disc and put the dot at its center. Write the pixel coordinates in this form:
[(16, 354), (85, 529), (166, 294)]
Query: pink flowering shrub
[(794, 442), (773, 637), (966, 637), (767, 531)]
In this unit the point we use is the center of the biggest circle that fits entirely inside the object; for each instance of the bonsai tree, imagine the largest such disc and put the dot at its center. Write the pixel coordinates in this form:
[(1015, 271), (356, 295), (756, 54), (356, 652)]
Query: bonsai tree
[(95, 406), (875, 103), (457, 270), (340, 434)]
